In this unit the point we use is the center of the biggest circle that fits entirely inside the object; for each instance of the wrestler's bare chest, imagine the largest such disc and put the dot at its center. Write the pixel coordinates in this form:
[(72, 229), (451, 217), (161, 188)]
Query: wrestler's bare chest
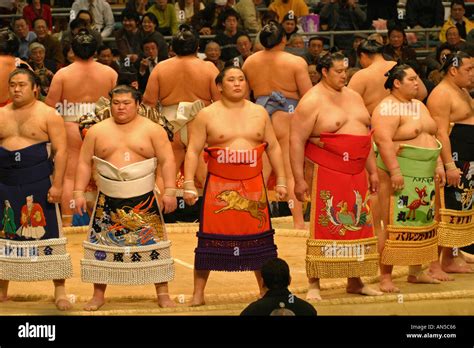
[(25, 124), (418, 129), (461, 108)]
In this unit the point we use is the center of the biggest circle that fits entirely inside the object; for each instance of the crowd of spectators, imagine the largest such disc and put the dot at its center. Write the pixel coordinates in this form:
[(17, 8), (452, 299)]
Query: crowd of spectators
[(133, 42)]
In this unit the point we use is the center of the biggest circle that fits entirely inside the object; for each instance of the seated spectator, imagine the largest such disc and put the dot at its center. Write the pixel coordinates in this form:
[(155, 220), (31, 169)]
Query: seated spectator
[(314, 75), (266, 17), (433, 66), (296, 41), (227, 38), (454, 39), (36, 9), (147, 63), (352, 53), (189, 8), (106, 57), (166, 15), (206, 21), (244, 46), (68, 54), (278, 300), (101, 13), (282, 7), (343, 15), (148, 25), (376, 9), (457, 19), (128, 39), (74, 27), (315, 48), (213, 54), (247, 10), (138, 6), (397, 47), (425, 14), (26, 37), (51, 44), (290, 26), (43, 68), (377, 37)]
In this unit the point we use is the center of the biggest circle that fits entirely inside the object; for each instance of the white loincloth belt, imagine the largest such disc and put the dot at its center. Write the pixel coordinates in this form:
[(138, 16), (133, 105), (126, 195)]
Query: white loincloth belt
[(132, 180), (181, 114)]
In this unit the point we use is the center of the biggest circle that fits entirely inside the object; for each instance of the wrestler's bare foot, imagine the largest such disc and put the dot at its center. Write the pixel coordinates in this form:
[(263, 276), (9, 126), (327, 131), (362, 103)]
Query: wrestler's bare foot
[(198, 300), (469, 258), (422, 278), (4, 298), (387, 285), (94, 304), (164, 301), (456, 265), (314, 291), (63, 304), (4, 290), (436, 272)]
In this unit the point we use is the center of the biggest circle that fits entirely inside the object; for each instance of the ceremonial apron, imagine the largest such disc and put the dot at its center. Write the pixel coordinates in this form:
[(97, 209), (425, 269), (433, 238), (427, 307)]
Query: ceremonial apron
[(412, 237), (127, 243), (235, 231), (31, 243), (342, 242), (456, 228)]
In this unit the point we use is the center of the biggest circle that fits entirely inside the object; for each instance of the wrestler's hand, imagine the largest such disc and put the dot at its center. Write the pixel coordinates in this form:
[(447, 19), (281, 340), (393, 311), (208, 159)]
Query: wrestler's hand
[(440, 176), (398, 183), (453, 177), (80, 205), (205, 31), (169, 204), (302, 191), (54, 194), (190, 198), (374, 182), (281, 192)]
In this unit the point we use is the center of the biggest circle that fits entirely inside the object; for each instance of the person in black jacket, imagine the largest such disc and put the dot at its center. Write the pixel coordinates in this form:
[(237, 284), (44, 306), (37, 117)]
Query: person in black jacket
[(425, 14), (278, 300)]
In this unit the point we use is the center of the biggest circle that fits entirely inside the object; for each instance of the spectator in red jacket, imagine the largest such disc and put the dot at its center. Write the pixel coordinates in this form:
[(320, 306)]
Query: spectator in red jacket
[(35, 9)]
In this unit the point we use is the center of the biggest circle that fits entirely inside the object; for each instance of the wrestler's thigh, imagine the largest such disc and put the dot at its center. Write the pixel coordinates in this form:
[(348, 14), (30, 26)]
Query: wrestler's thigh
[(281, 124), (74, 143)]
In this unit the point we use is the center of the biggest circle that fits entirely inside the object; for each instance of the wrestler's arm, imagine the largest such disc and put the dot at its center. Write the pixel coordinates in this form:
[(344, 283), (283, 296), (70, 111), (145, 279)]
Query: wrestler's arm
[(440, 108), (302, 125), (302, 77), (422, 91), (357, 83), (152, 90), (57, 137), (213, 72), (167, 167), (385, 127), (55, 90), (84, 169), (197, 141)]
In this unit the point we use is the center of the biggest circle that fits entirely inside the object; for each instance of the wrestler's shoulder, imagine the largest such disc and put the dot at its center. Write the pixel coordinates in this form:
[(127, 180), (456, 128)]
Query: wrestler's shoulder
[(45, 109), (441, 92)]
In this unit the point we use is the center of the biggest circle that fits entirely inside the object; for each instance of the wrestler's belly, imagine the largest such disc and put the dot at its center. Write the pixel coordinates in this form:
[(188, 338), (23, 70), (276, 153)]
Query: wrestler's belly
[(469, 121), (423, 140), (19, 142)]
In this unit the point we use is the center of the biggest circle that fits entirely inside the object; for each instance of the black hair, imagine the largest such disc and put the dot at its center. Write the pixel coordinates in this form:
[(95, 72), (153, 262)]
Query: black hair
[(327, 61), (317, 38), (287, 17), (269, 15), (103, 48), (229, 13), (126, 13), (441, 48), (31, 76), (124, 89), (150, 40), (86, 12), (272, 34), (276, 274), (186, 41), (38, 19), (77, 23), (152, 18), (84, 44), (9, 42), (369, 47), (219, 78), (16, 19), (246, 35), (398, 72), (454, 59), (396, 27), (457, 2)]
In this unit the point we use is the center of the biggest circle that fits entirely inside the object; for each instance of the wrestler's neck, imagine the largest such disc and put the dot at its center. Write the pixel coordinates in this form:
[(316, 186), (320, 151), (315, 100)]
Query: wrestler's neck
[(400, 97), (451, 82), (83, 61), (24, 105), (279, 47), (331, 88), (377, 58), (232, 103)]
